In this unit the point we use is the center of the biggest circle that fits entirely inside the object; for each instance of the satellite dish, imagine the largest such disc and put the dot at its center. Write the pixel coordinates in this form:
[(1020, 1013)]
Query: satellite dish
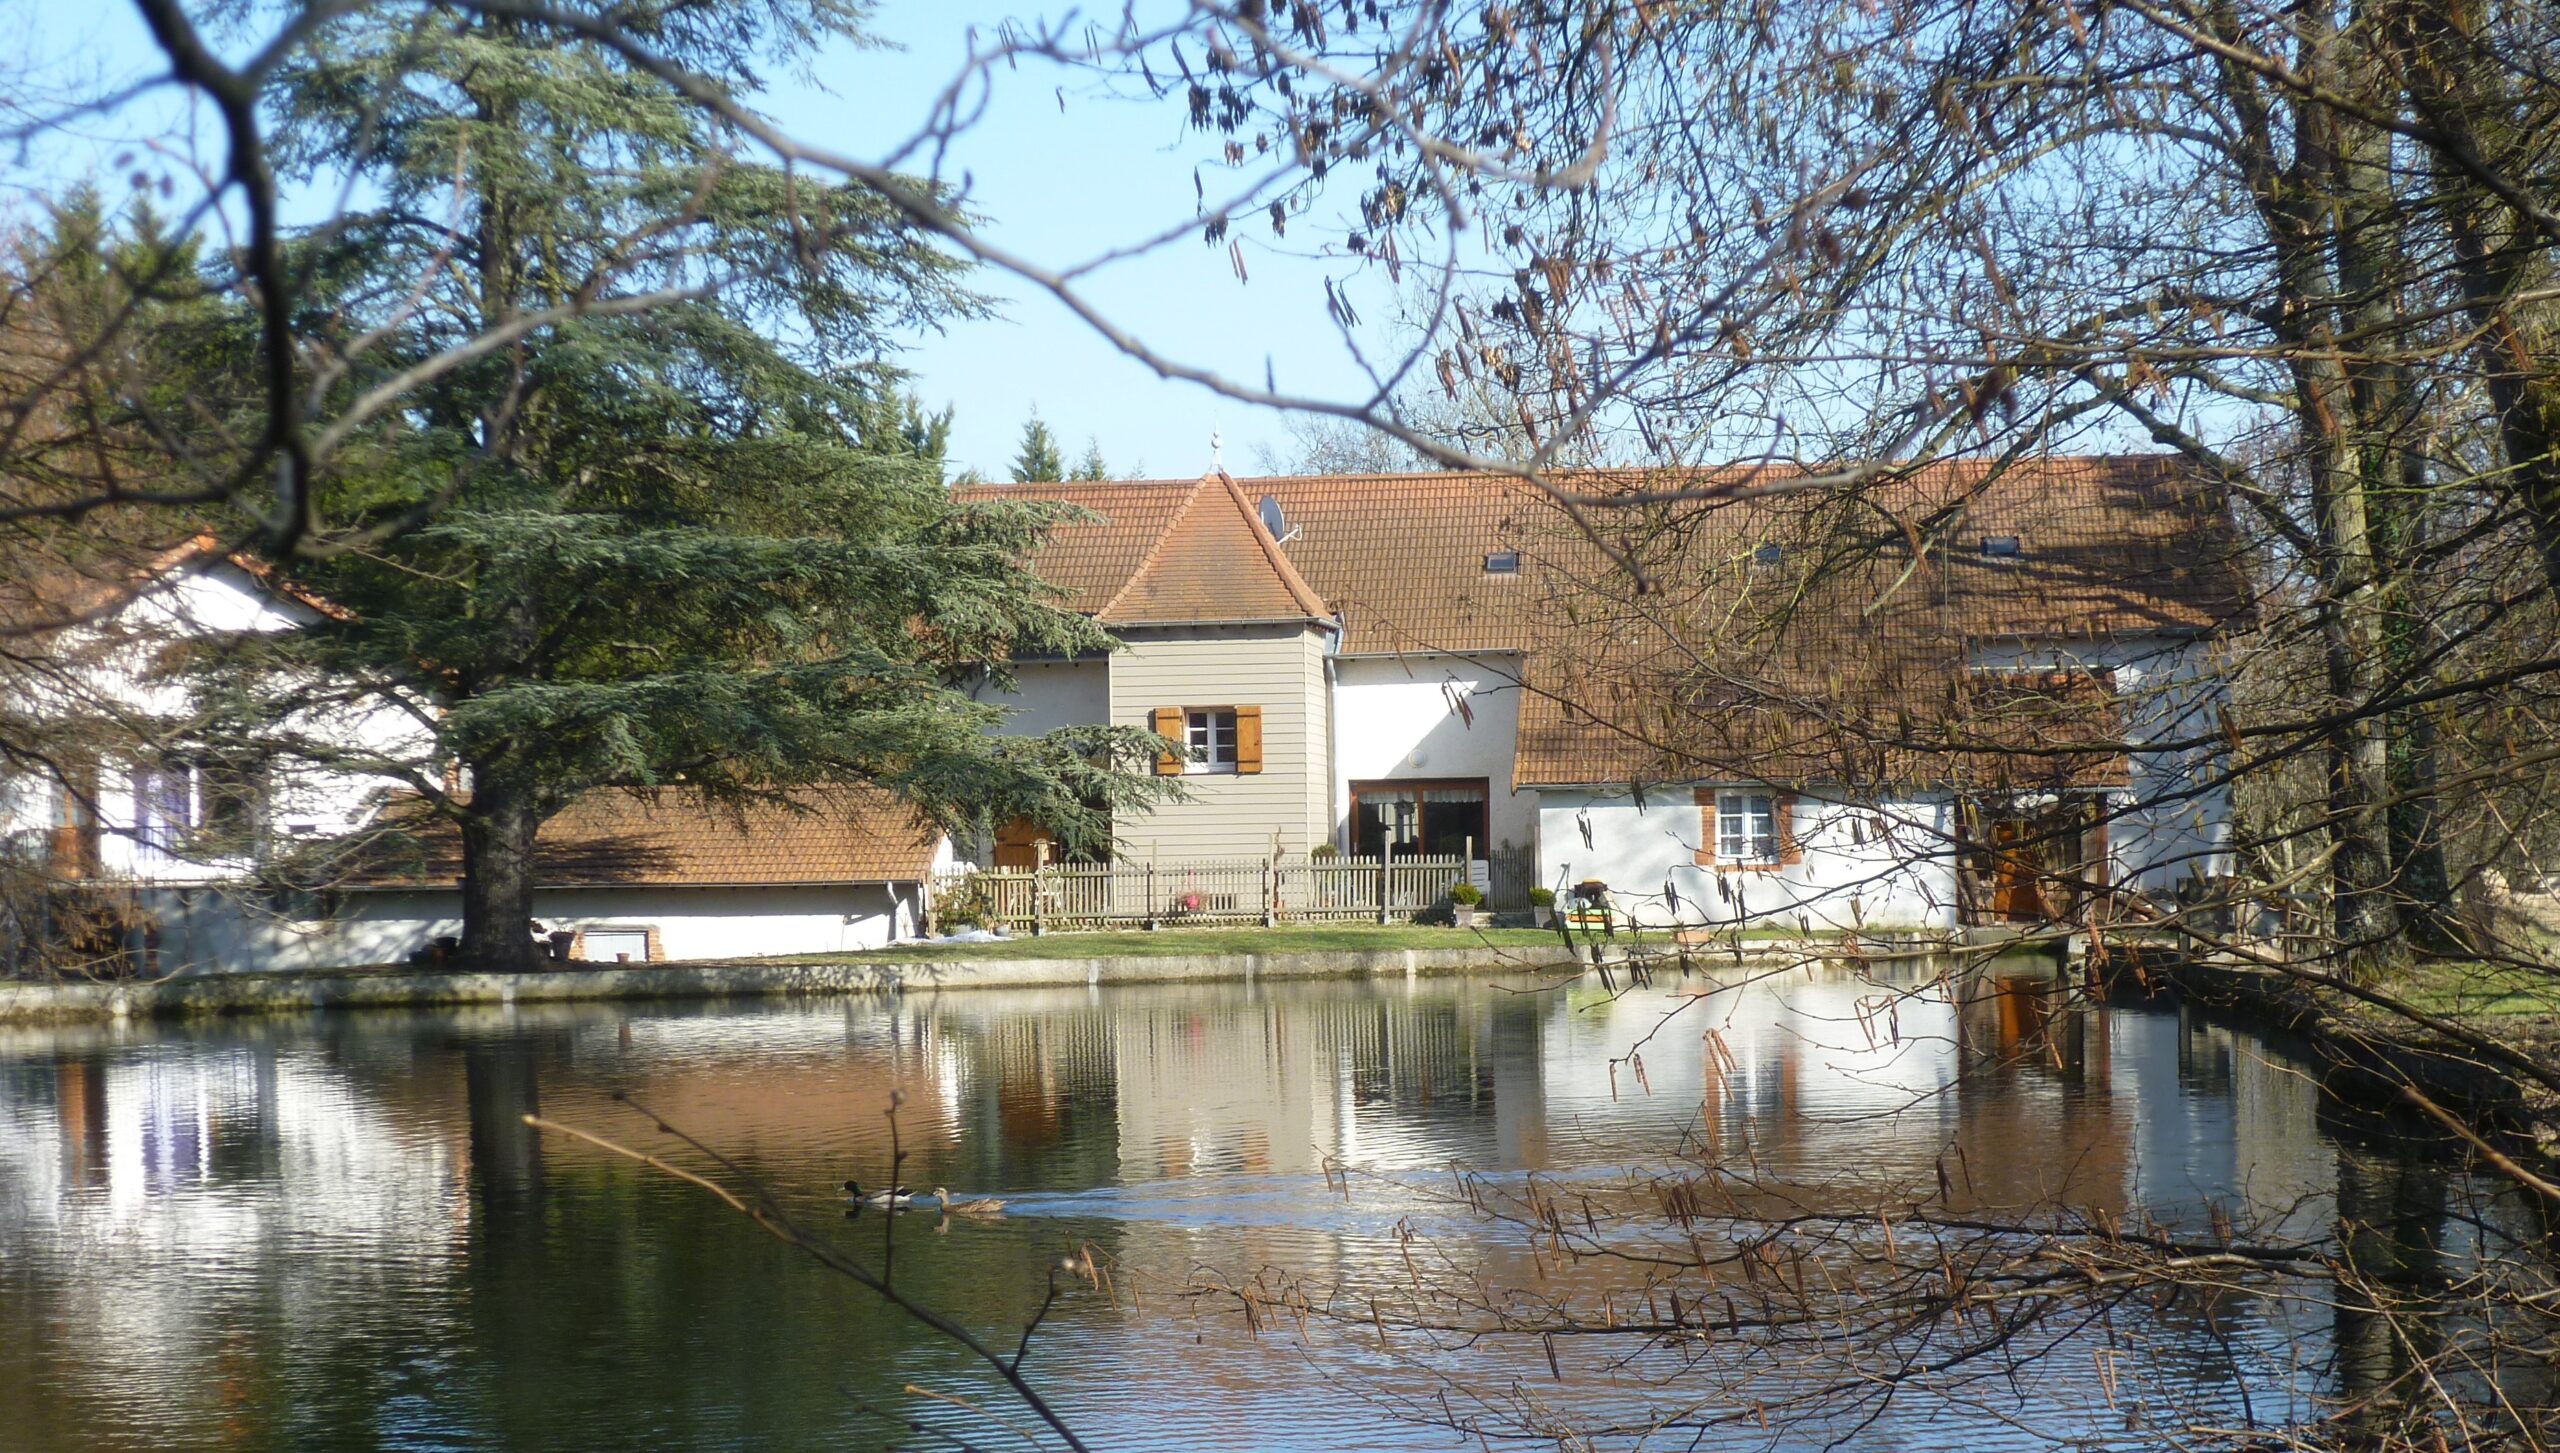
[(1272, 519)]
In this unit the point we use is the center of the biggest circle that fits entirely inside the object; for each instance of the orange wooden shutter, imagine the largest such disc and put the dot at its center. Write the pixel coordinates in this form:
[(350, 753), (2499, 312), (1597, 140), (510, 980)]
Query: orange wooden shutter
[(1706, 855), (1783, 808), (1167, 722), (1248, 739)]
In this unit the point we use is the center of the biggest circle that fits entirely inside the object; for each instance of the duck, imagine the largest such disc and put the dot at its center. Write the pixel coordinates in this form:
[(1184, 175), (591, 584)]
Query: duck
[(980, 1207), (891, 1199)]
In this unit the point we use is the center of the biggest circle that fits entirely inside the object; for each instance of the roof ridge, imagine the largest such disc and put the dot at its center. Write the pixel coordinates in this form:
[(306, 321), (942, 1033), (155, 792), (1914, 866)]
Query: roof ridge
[(1155, 548)]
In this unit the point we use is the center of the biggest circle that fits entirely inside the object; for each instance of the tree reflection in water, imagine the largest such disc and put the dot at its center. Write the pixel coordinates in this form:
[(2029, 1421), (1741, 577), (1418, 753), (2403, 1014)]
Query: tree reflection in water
[(2091, 1222)]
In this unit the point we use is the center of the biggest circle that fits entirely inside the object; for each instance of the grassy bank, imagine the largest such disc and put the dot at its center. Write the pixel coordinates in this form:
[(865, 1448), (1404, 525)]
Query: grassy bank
[(1178, 942), (2469, 989)]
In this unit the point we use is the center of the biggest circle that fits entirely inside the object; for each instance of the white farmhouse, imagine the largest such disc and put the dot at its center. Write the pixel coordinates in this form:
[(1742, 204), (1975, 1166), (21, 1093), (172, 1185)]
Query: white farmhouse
[(1971, 695), (1966, 696)]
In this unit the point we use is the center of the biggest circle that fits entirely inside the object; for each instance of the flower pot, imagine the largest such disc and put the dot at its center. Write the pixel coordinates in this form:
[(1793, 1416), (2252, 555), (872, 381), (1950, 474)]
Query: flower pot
[(1463, 916), (1543, 917)]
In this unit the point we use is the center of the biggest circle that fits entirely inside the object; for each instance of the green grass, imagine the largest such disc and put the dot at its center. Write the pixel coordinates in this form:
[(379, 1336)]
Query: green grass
[(1168, 942), (2467, 987)]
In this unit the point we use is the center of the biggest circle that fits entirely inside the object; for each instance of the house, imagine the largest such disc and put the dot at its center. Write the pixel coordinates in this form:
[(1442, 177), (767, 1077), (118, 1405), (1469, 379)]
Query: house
[(1967, 695), (140, 855), (653, 876)]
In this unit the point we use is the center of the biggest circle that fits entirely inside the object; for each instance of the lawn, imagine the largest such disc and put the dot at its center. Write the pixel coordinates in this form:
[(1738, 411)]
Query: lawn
[(2457, 986), (1169, 942)]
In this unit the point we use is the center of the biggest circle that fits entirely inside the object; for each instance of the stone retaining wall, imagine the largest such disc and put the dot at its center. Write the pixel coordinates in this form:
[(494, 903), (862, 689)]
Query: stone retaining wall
[(282, 993)]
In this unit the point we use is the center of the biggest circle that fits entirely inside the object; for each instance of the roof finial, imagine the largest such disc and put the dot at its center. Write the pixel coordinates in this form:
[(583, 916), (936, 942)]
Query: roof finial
[(1217, 451)]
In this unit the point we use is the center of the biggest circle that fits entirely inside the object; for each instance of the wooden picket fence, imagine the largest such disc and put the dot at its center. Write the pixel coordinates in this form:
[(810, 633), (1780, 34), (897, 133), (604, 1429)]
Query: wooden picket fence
[(1234, 890)]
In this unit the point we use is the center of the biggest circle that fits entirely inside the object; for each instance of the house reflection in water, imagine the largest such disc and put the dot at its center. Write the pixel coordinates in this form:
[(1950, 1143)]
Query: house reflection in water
[(338, 1232)]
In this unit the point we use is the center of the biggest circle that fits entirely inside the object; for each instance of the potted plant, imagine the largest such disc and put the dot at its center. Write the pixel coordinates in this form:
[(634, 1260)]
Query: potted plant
[(1542, 905), (1466, 904)]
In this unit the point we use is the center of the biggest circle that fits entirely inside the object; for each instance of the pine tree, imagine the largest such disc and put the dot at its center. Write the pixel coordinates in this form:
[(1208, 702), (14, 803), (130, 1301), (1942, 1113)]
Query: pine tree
[(1038, 461), (1093, 468), (693, 539)]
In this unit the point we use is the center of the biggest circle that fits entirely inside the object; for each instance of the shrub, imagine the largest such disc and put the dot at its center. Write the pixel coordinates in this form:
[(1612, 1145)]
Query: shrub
[(1465, 895), (1324, 852), (1542, 897)]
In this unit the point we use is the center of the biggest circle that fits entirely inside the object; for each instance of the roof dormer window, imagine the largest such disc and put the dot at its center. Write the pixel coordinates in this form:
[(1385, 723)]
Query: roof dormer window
[(1502, 562), (2002, 547)]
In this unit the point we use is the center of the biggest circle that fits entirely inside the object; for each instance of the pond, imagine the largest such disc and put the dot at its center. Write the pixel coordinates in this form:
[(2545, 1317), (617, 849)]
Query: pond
[(337, 1232)]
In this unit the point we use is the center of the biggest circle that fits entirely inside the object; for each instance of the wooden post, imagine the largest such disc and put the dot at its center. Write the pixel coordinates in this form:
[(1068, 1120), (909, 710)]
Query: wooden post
[(1151, 895), (1386, 875), (1270, 905), (1039, 924)]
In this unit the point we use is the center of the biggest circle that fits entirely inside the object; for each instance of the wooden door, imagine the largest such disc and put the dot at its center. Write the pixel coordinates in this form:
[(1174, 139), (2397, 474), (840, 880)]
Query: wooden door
[(2017, 887), (1023, 845)]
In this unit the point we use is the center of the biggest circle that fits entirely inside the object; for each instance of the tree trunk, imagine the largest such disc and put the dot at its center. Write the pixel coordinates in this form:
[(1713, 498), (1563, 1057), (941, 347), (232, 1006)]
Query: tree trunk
[(498, 829), (2386, 426), (2297, 198)]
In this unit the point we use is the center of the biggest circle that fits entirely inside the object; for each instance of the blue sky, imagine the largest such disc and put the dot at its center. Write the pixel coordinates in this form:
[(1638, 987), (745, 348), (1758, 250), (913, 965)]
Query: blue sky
[(1059, 177), (1062, 179)]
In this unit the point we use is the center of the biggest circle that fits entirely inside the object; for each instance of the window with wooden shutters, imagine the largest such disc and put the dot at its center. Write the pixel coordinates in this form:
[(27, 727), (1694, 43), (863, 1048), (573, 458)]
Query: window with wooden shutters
[(1213, 738), (1746, 829)]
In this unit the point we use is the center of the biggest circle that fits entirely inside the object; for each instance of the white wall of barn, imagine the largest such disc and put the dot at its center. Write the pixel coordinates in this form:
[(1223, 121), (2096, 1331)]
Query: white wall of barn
[(2173, 821), (1878, 865), (1398, 718), (210, 930)]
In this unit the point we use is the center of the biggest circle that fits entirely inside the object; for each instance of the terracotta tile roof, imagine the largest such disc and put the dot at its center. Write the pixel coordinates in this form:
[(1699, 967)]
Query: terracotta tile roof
[(675, 839), (1094, 560), (1845, 655), (1167, 554), (1215, 562)]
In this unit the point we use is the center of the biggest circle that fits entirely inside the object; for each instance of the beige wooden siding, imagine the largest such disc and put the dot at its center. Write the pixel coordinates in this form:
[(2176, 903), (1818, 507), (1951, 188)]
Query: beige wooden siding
[(1281, 670)]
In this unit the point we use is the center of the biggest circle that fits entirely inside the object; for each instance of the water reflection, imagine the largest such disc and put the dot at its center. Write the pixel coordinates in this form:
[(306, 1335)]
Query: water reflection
[(339, 1232)]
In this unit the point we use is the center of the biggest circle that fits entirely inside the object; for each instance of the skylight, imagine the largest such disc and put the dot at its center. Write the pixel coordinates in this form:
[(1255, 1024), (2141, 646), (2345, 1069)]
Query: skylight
[(2002, 547), (1769, 557), (1502, 562)]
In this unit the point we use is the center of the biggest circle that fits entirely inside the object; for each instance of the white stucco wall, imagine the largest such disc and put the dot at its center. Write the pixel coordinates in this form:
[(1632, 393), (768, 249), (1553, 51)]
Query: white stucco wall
[(1395, 718), (112, 677), (2173, 820), (1877, 865), (213, 930)]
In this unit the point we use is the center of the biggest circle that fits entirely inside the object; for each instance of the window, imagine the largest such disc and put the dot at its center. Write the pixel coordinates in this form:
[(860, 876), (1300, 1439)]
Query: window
[(1769, 557), (615, 946), (1502, 562), (1418, 818), (1203, 739), (1746, 828), (2002, 547), (164, 807), (1209, 738)]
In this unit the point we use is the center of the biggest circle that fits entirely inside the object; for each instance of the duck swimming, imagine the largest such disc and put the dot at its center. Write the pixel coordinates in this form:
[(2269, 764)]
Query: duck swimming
[(891, 1199), (979, 1207)]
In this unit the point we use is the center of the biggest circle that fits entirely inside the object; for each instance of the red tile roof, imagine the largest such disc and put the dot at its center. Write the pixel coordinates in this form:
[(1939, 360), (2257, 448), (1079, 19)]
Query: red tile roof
[(673, 838), (1846, 659), (1166, 554)]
